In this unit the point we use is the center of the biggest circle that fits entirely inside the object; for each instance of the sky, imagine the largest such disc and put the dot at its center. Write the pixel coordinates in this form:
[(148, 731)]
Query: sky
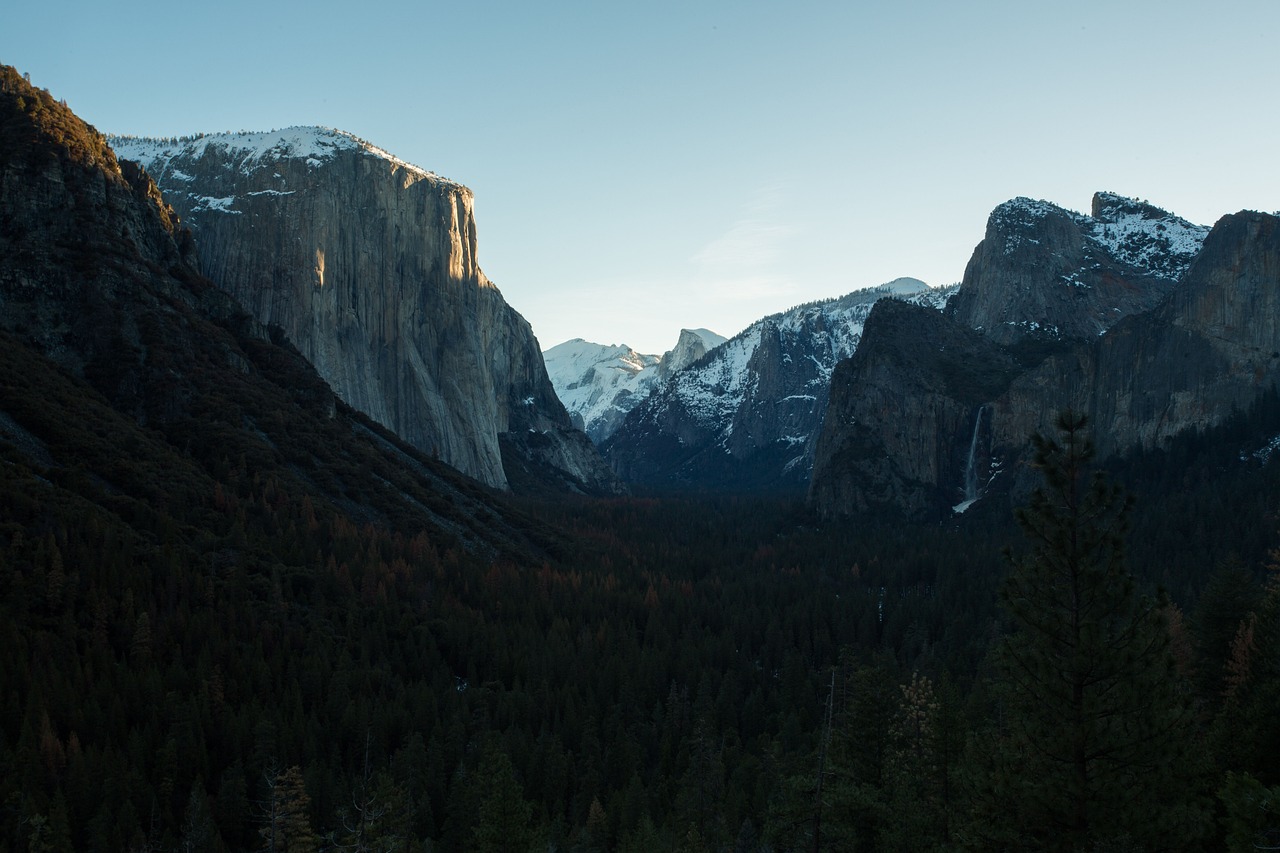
[(639, 168)]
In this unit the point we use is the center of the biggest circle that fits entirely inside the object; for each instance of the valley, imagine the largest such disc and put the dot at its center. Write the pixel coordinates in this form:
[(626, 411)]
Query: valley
[(304, 545)]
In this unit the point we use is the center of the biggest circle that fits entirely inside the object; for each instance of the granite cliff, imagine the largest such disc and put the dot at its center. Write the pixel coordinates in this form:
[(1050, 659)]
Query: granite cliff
[(1046, 273), (930, 412), (368, 265), (903, 413), (691, 346), (136, 391)]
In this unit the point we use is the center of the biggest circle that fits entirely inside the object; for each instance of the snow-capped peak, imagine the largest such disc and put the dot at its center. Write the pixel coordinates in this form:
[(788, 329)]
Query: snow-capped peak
[(903, 287), (599, 383), (575, 360), (692, 345)]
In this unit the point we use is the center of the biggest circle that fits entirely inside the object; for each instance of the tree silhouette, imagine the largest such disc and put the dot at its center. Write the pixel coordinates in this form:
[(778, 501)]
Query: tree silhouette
[(1094, 747)]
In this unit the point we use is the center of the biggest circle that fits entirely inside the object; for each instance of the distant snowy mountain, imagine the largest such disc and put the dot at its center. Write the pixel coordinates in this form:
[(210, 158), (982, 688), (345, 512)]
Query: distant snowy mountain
[(747, 414), (600, 384)]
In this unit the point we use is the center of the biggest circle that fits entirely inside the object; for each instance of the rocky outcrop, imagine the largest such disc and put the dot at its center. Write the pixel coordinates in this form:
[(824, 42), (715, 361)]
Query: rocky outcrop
[(967, 404), (692, 345), (369, 266), (906, 412), (746, 415), (1209, 349), (1046, 273), (1212, 347)]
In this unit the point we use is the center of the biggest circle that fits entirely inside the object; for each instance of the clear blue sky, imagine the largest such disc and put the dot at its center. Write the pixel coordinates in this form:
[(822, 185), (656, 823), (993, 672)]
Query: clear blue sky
[(642, 167)]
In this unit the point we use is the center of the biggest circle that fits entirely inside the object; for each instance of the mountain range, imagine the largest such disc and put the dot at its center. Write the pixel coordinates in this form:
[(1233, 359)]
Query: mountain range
[(900, 395), (747, 414), (599, 384), (1129, 313)]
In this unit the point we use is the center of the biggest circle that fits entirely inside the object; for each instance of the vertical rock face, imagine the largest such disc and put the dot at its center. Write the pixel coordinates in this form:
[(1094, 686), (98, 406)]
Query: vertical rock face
[(1213, 346), (369, 266), (1043, 272), (692, 345), (900, 429)]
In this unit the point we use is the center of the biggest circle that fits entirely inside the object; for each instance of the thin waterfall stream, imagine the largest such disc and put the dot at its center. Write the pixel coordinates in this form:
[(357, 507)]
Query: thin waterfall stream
[(971, 486)]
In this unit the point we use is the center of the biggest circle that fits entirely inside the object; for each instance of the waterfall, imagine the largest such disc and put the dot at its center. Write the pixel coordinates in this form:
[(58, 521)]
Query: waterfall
[(971, 468)]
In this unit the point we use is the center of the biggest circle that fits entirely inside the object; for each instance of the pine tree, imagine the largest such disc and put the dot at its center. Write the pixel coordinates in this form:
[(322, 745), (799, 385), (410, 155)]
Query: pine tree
[(1095, 745), (701, 787), (198, 831), (1252, 813), (1244, 732), (594, 838), (287, 827), (504, 817), (922, 738)]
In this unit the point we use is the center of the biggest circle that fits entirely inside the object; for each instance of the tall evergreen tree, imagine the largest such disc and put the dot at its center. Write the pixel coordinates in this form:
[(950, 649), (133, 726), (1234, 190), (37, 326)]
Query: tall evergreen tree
[(199, 835), (1094, 743), (922, 743), (287, 827), (1244, 732), (504, 819)]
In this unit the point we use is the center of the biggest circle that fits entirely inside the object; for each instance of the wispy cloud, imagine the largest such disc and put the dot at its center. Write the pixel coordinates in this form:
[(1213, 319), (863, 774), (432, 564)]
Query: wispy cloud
[(748, 260), (749, 244)]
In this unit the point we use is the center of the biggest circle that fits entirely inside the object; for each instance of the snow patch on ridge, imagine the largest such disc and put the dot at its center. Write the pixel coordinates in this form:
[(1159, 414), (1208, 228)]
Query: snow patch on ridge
[(713, 389), (222, 205)]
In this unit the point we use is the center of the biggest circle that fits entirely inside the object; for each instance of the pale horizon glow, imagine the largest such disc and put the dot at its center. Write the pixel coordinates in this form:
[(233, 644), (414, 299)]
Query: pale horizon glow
[(640, 169)]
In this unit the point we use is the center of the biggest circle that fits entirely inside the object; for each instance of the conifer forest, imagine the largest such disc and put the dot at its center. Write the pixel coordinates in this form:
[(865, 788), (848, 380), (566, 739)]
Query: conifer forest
[(254, 671)]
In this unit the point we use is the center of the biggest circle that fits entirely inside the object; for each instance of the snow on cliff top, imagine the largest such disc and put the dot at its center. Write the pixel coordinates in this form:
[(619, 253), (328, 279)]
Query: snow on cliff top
[(1130, 230), (1146, 236), (317, 144), (710, 339)]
